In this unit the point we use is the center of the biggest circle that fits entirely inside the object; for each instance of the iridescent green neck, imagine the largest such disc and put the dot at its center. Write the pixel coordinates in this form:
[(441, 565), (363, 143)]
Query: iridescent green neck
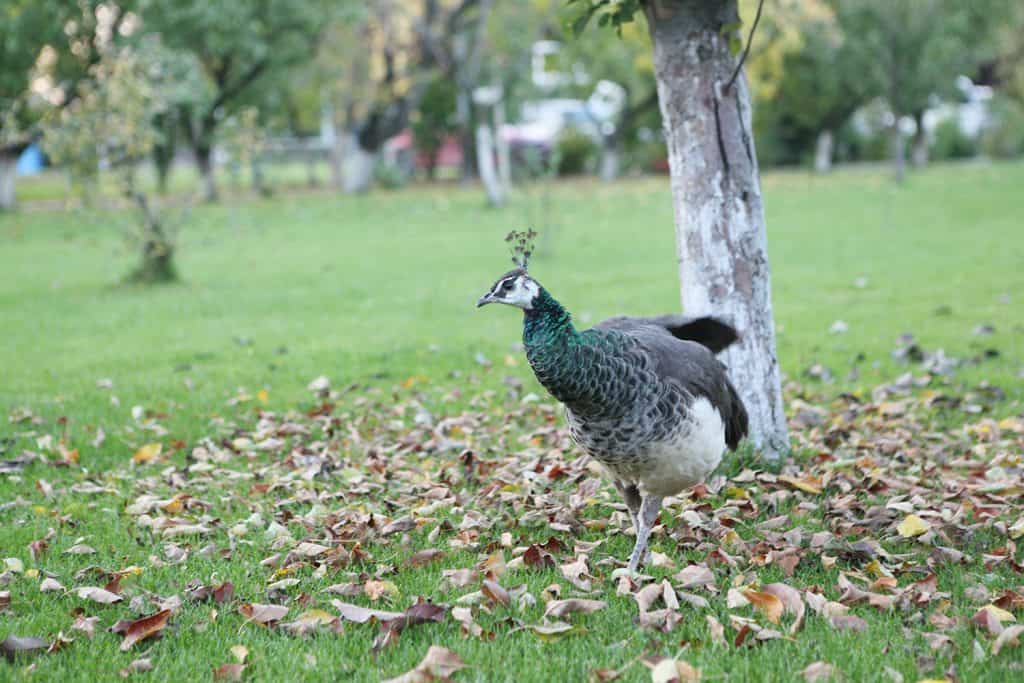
[(547, 326)]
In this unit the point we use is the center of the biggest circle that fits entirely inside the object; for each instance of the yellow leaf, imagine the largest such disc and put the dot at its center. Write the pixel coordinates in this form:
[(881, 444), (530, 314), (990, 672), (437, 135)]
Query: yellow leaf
[(316, 616), (1000, 614), (810, 485), (262, 395), (766, 603), (1017, 530), (912, 526), (240, 652), (147, 453), (737, 492)]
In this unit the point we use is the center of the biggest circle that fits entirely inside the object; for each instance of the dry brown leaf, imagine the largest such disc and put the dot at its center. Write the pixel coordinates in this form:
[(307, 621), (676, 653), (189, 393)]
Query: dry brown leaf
[(141, 629), (1008, 638), (18, 646), (229, 672), (438, 665), (263, 614), (818, 671), (695, 576), (495, 593), (674, 671), (97, 594), (559, 608), (716, 630), (361, 615)]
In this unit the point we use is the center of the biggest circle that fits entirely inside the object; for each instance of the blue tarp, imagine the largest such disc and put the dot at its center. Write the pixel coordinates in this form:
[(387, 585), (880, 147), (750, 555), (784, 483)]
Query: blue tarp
[(31, 161)]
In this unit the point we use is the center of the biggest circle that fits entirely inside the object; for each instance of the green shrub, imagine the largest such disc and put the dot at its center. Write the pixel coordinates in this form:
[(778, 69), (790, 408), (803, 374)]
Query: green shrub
[(575, 152), (951, 143), (1003, 137)]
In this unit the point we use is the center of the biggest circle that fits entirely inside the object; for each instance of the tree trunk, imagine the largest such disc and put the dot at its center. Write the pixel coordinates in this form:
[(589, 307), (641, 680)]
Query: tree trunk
[(156, 264), (919, 147), (823, 152), (204, 161), (719, 215), (358, 164), (165, 148), (485, 164), (899, 152), (610, 158), (8, 174)]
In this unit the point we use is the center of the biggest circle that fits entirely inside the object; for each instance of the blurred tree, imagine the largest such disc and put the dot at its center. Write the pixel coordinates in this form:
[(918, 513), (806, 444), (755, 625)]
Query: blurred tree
[(914, 52), (114, 117), (241, 46), (821, 87), (26, 27), (434, 120), (720, 229)]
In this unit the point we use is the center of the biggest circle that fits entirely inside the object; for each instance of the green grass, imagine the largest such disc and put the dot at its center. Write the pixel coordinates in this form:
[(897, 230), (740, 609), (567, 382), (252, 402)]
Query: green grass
[(378, 291)]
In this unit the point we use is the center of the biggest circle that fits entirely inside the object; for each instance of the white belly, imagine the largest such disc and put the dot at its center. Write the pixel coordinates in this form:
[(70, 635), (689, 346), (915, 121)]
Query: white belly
[(683, 460)]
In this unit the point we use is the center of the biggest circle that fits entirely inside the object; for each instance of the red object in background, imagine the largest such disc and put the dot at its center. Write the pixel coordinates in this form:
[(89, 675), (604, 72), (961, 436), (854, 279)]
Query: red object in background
[(448, 155)]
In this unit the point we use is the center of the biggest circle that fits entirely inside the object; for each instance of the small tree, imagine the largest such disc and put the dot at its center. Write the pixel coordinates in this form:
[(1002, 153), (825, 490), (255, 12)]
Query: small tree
[(114, 119)]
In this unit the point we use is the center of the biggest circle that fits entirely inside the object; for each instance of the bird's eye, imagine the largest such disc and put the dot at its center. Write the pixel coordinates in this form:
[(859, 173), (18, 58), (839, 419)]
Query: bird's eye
[(506, 286)]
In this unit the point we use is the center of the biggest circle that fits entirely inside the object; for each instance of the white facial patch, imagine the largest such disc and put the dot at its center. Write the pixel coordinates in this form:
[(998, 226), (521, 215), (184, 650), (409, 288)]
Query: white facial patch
[(517, 291)]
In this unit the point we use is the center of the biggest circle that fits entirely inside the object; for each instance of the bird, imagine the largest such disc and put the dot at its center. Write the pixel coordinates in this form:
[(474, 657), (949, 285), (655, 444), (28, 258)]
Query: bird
[(644, 396)]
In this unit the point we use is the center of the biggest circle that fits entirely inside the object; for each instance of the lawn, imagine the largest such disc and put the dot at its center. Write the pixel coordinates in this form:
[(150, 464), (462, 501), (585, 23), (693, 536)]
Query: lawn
[(376, 293)]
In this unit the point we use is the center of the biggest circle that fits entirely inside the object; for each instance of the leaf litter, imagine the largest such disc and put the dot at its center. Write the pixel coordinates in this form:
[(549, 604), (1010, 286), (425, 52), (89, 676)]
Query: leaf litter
[(886, 491)]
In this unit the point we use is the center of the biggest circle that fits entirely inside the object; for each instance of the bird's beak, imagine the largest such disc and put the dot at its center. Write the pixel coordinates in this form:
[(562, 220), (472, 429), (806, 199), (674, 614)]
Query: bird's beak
[(484, 300)]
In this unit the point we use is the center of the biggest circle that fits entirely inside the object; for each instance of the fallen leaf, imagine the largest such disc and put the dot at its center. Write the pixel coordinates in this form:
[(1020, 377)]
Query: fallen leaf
[(695, 576), (141, 629), (97, 594), (18, 646), (361, 615), (438, 665), (48, 585), (147, 453), (818, 671), (766, 603), (674, 671), (138, 666), (559, 608), (494, 591), (263, 614), (1009, 637), (229, 672), (240, 652), (422, 557), (912, 526), (716, 630)]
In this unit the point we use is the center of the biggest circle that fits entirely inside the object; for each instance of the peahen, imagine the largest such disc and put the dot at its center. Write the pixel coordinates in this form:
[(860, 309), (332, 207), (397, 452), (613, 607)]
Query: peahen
[(645, 397)]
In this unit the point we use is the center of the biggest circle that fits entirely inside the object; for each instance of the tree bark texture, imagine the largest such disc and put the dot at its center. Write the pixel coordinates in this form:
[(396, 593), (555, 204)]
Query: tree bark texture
[(719, 215), (823, 151), (204, 161), (899, 151), (919, 149), (8, 175)]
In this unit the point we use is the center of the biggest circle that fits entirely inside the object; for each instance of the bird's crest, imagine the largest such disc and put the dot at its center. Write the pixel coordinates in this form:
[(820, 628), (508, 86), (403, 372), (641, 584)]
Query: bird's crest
[(521, 244)]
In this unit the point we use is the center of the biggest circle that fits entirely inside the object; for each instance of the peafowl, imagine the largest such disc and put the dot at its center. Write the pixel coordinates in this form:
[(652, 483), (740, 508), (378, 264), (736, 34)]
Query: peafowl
[(645, 397)]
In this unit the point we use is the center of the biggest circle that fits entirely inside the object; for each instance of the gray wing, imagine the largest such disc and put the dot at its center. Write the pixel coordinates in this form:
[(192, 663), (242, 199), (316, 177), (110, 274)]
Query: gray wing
[(713, 333), (690, 363)]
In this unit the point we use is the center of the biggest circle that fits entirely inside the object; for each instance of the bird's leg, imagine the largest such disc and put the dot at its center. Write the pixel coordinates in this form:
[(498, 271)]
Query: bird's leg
[(649, 508), (631, 494)]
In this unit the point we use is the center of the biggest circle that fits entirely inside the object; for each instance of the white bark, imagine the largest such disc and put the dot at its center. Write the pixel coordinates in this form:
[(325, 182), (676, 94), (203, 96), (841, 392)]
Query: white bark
[(610, 161), (719, 215), (357, 167), (823, 152), (485, 164), (899, 151), (8, 174), (919, 152)]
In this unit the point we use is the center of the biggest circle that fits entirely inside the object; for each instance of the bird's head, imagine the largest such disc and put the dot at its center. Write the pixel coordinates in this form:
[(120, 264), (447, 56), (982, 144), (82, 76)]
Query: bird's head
[(515, 288)]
